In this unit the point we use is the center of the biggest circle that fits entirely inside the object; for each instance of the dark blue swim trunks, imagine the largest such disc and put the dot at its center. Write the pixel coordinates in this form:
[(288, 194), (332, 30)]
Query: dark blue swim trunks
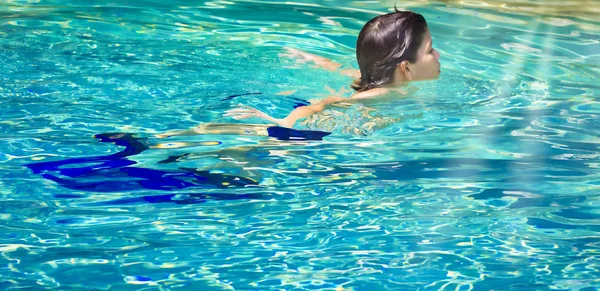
[(284, 133)]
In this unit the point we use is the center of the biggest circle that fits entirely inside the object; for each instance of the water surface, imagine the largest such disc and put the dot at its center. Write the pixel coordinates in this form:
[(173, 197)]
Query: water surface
[(489, 181)]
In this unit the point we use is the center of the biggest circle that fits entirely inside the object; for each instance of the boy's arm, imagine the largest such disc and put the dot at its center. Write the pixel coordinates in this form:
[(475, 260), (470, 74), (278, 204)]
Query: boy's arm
[(320, 62), (303, 111), (288, 121)]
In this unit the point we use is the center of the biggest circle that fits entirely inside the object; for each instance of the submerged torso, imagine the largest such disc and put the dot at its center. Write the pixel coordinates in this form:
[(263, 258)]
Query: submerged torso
[(357, 116)]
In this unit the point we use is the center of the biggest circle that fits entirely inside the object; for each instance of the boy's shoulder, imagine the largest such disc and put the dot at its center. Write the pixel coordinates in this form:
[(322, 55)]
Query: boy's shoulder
[(370, 93)]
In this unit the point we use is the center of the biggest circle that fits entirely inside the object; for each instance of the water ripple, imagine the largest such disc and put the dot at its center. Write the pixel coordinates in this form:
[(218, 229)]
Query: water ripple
[(487, 181)]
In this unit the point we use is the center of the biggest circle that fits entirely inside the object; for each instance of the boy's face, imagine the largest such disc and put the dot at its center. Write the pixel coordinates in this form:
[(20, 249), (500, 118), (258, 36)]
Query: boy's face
[(427, 65)]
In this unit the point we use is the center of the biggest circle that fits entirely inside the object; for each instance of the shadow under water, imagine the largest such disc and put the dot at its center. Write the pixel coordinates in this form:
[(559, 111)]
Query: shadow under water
[(116, 172)]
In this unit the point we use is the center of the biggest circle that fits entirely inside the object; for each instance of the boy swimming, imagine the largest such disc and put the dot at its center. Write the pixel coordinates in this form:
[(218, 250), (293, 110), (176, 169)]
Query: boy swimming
[(392, 50)]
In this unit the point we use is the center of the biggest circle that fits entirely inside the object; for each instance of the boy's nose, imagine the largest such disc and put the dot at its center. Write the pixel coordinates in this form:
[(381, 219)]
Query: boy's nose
[(436, 54)]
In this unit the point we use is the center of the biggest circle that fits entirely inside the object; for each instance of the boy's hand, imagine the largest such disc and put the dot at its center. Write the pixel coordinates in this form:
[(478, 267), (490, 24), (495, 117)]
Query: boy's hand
[(320, 62), (303, 57), (244, 112)]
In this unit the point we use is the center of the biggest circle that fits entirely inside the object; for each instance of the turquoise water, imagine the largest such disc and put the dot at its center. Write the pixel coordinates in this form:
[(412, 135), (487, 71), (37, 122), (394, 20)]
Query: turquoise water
[(488, 182)]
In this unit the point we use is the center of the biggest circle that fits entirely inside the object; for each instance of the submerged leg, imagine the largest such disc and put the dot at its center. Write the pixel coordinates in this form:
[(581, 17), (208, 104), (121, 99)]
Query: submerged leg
[(221, 128), (278, 132)]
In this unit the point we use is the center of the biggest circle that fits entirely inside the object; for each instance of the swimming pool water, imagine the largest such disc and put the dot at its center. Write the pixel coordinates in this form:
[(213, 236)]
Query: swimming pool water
[(488, 182)]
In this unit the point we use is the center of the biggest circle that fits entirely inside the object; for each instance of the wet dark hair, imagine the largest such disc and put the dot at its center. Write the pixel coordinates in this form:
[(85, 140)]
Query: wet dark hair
[(383, 43)]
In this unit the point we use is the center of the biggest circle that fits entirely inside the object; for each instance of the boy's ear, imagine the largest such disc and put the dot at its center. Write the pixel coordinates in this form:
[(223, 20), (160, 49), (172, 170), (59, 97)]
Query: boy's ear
[(405, 70)]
